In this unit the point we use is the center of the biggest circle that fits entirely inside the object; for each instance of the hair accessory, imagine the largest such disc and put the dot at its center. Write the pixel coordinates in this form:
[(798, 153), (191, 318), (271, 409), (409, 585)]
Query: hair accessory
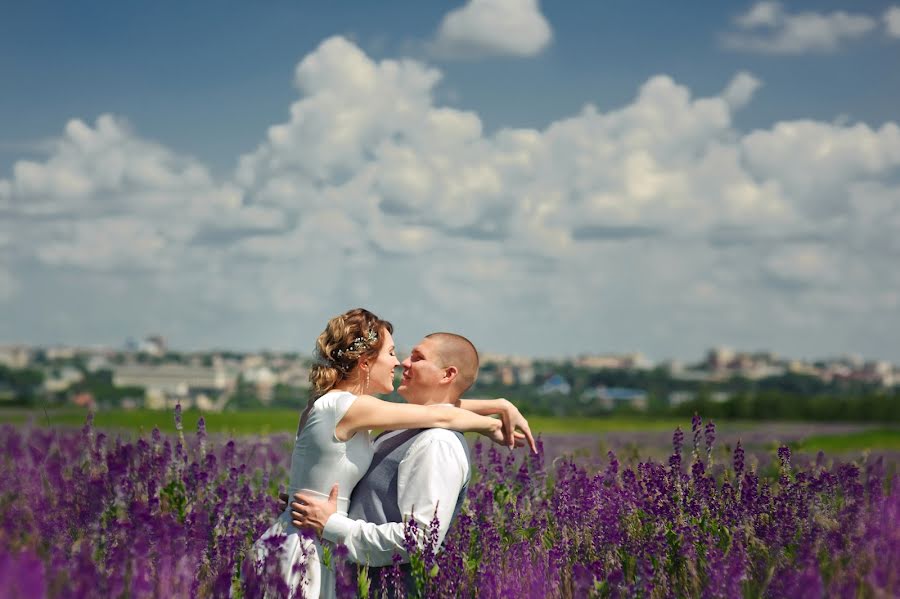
[(359, 344)]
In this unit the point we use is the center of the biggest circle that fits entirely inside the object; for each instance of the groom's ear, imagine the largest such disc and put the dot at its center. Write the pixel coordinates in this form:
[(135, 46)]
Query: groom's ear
[(450, 374)]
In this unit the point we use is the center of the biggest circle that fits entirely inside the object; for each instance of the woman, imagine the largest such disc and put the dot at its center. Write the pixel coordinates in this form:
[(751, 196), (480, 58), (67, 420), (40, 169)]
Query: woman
[(354, 358)]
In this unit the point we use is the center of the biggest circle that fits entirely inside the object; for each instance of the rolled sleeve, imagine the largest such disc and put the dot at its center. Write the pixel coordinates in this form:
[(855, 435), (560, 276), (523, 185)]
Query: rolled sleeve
[(337, 528)]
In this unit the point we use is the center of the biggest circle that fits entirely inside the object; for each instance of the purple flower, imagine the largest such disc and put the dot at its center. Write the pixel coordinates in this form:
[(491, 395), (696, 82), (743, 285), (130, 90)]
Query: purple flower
[(677, 440), (709, 438), (784, 456), (738, 460), (201, 437), (138, 517), (697, 429)]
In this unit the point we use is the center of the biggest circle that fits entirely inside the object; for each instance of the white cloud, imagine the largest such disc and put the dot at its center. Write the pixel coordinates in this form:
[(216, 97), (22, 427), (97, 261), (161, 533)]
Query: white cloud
[(740, 90), (761, 14), (656, 221), (813, 161), (9, 286), (106, 199), (767, 28), (892, 21), (484, 28), (807, 264), (107, 242)]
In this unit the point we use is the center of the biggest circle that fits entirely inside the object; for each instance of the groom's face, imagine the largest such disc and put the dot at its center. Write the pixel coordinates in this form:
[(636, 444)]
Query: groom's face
[(422, 372)]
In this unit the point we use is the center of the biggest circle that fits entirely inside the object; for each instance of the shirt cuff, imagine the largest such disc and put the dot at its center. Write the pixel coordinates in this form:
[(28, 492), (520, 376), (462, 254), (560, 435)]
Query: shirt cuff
[(337, 528)]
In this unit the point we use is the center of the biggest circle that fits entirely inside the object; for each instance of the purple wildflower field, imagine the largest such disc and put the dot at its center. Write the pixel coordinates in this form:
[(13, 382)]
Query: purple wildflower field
[(88, 515)]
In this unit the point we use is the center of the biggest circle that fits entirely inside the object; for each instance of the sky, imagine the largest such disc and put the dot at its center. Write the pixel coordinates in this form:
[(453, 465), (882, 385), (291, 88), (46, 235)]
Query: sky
[(549, 179)]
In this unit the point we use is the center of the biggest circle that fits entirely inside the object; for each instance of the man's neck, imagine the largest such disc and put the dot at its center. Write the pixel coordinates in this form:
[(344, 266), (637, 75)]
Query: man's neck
[(439, 400)]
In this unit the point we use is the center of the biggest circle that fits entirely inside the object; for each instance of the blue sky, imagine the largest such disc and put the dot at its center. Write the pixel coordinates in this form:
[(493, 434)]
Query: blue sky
[(733, 181)]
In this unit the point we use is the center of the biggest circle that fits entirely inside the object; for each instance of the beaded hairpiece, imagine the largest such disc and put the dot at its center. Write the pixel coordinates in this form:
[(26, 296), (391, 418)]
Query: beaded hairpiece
[(359, 344)]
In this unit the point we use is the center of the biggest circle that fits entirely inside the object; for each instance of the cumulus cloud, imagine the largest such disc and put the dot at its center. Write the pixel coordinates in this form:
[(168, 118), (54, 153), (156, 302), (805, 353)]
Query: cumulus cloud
[(658, 221), (106, 197), (740, 90), (483, 28), (768, 28), (8, 283), (892, 21)]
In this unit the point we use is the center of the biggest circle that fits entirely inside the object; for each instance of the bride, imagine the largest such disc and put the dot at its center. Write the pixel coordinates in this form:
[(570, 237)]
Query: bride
[(354, 358)]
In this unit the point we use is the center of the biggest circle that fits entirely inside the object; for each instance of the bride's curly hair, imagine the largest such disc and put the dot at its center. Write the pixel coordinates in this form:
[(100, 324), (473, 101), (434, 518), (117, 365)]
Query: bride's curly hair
[(353, 336)]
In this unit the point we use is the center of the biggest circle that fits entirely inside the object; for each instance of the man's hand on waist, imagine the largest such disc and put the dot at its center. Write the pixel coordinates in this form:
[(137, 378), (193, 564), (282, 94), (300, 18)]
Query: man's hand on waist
[(308, 511)]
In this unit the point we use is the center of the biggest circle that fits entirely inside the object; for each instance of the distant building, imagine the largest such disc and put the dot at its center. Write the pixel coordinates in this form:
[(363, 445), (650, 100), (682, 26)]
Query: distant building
[(263, 379), (154, 345), (555, 385), (84, 400), (15, 356), (757, 371), (614, 361), (525, 375), (62, 379), (295, 375), (719, 358), (613, 397), (97, 362), (167, 384), (507, 376), (60, 353), (487, 377), (676, 398)]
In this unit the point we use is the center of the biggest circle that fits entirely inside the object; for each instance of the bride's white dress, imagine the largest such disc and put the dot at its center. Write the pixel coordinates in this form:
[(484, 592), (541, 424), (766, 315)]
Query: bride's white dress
[(318, 461)]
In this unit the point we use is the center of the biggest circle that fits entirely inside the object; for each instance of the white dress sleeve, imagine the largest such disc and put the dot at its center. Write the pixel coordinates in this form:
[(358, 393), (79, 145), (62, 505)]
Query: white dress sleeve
[(340, 404)]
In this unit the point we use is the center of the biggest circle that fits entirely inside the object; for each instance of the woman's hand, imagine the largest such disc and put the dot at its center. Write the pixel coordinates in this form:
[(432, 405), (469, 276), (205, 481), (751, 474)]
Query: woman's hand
[(512, 419), (498, 436), (516, 431)]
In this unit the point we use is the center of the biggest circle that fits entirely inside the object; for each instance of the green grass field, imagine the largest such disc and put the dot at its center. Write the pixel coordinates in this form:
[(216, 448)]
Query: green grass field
[(235, 423), (878, 439), (274, 421), (268, 421)]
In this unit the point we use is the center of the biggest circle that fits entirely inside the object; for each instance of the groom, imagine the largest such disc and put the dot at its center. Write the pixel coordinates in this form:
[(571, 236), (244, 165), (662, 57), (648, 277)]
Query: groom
[(419, 473)]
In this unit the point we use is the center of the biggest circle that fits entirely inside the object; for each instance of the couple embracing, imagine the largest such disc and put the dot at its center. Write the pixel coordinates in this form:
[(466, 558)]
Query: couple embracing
[(353, 491)]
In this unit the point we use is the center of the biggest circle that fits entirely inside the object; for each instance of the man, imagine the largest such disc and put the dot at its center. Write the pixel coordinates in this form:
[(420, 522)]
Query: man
[(414, 473)]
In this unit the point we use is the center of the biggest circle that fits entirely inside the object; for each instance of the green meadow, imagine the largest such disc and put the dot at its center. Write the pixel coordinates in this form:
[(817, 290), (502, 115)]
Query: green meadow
[(877, 439), (263, 422), (270, 421)]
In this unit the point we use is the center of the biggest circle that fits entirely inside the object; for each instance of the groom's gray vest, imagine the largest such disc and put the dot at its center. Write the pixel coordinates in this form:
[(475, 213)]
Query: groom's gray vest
[(374, 499)]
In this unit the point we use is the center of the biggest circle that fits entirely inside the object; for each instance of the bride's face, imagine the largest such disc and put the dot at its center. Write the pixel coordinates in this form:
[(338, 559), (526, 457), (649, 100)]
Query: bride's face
[(381, 371)]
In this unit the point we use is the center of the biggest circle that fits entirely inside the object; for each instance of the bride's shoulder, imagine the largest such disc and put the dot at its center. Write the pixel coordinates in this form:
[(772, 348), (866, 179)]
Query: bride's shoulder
[(335, 398)]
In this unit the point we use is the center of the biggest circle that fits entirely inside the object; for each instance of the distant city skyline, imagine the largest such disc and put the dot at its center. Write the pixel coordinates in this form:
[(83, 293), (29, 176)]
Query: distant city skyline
[(156, 345), (549, 179)]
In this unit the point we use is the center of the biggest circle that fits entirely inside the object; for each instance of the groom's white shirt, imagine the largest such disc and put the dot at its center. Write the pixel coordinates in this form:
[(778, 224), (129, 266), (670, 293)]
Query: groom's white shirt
[(429, 478)]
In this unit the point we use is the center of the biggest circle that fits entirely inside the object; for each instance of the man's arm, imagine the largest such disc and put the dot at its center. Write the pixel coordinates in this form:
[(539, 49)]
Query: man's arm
[(429, 480)]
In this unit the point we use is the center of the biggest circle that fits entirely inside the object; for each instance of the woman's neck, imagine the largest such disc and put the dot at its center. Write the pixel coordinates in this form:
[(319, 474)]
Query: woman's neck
[(349, 387)]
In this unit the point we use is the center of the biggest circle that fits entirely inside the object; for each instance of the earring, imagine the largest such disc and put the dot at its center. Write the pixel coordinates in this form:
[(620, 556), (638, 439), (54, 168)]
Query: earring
[(366, 388)]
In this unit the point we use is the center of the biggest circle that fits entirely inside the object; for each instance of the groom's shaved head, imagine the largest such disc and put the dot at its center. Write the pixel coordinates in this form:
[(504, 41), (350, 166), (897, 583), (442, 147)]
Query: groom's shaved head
[(456, 350)]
